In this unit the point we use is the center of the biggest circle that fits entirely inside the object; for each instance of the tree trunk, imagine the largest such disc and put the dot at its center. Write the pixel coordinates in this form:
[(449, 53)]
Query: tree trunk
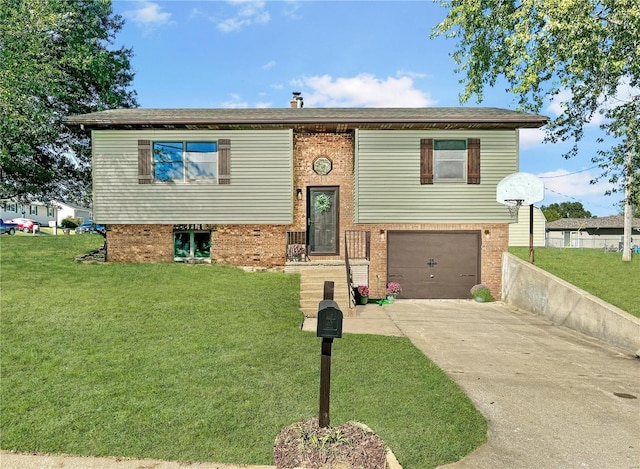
[(626, 237)]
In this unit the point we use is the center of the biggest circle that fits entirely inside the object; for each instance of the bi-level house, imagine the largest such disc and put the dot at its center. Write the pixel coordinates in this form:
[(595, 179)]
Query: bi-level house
[(408, 195)]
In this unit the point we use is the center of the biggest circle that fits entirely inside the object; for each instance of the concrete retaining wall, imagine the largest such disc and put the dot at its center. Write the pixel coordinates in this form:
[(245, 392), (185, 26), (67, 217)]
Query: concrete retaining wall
[(528, 287)]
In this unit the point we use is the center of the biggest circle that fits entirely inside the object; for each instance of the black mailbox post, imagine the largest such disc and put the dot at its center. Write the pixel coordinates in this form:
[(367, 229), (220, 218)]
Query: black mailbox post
[(329, 328)]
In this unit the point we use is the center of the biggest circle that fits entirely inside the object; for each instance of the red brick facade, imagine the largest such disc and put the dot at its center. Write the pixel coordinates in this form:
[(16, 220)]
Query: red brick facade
[(264, 245)]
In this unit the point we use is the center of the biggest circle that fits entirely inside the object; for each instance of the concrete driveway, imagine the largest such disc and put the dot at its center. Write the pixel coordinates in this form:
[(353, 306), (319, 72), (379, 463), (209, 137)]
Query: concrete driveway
[(554, 398)]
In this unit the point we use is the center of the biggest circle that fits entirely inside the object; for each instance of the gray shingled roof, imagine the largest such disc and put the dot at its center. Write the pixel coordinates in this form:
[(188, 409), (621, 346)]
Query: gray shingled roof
[(311, 118), (590, 223)]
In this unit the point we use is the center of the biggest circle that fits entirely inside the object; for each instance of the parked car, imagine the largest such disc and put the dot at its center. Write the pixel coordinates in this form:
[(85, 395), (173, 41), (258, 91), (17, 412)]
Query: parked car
[(89, 228), (25, 224), (8, 227)]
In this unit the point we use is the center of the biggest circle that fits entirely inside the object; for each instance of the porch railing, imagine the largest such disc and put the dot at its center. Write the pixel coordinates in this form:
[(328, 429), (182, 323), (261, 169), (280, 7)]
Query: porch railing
[(296, 248), (358, 244)]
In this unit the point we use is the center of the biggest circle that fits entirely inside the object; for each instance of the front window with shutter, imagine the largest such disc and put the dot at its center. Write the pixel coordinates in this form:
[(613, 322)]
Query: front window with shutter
[(450, 161), (185, 161), (167, 161)]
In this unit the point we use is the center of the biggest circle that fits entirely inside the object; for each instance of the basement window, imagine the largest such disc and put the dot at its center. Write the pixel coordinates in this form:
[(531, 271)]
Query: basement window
[(192, 245)]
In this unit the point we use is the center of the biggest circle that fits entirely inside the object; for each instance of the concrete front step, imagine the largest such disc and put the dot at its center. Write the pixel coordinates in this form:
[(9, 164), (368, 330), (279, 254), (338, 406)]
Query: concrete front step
[(312, 278)]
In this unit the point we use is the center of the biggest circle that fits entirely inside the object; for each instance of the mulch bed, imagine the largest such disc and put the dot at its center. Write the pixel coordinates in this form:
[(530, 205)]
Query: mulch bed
[(348, 446)]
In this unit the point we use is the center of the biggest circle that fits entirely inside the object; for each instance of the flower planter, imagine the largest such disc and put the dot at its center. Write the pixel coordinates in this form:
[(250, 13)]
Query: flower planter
[(363, 300)]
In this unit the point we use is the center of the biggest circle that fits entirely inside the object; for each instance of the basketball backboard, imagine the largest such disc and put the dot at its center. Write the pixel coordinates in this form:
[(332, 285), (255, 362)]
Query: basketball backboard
[(520, 189)]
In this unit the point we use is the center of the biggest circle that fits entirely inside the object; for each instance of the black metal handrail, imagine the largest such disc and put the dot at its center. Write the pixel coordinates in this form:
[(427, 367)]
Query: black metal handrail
[(350, 286)]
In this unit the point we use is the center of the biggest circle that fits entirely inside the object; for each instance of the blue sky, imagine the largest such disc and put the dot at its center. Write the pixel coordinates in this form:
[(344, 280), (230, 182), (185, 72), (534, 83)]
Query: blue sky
[(251, 54)]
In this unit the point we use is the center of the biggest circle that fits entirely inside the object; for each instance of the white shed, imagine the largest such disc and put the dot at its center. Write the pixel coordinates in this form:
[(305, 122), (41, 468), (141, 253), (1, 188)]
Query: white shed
[(519, 231)]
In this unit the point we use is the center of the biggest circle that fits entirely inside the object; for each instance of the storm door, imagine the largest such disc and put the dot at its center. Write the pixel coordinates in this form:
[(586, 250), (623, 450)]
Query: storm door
[(323, 220)]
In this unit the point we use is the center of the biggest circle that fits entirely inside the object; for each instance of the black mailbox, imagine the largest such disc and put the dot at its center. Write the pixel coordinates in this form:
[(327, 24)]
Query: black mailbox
[(329, 320)]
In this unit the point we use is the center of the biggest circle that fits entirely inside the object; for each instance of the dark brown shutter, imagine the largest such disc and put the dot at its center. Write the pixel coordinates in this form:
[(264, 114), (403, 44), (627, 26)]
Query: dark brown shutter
[(473, 161), (224, 161), (144, 162), (426, 161)]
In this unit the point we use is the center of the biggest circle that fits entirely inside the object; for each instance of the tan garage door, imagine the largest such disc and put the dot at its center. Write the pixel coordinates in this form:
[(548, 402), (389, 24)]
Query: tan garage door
[(434, 264)]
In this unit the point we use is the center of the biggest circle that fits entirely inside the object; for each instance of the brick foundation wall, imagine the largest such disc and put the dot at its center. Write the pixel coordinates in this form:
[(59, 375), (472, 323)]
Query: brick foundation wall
[(241, 245), (250, 245), (140, 243)]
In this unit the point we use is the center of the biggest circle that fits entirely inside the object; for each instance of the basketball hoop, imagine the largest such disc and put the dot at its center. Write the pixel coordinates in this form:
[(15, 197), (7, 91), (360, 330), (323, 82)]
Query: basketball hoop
[(518, 189), (513, 205)]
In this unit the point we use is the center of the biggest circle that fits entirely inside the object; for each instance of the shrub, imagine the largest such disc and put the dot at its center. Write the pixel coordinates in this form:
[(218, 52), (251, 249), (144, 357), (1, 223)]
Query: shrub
[(71, 222), (481, 293)]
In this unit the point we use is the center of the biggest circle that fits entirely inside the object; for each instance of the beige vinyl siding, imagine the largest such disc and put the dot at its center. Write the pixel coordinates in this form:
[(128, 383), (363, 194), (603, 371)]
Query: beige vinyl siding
[(387, 179), (519, 231), (261, 188)]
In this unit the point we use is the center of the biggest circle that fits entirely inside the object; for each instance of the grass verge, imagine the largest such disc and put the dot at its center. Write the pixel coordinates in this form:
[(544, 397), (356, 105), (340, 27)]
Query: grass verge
[(196, 363), (600, 273)]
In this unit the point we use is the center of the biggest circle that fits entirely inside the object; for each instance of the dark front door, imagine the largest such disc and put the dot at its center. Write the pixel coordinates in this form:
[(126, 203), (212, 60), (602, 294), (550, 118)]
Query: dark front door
[(322, 220), (434, 264)]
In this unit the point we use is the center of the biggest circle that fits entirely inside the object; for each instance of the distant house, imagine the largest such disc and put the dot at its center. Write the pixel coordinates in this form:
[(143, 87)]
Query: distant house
[(601, 233), (36, 211), (409, 192), (74, 211), (519, 231), (44, 214)]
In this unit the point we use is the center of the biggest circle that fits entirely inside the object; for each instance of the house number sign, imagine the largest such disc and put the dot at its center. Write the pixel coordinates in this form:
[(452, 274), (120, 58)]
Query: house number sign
[(322, 166)]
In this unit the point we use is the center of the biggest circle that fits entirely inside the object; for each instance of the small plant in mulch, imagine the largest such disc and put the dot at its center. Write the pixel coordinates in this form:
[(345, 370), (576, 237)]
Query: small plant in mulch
[(481, 294), (348, 446)]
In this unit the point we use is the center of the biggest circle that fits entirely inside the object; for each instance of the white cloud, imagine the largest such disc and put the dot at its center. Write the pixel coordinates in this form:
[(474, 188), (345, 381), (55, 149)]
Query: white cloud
[(196, 13), (530, 138), (149, 15), (410, 74), (236, 102), (575, 184), (363, 90), (556, 107), (291, 8), (269, 65), (248, 12), (624, 93)]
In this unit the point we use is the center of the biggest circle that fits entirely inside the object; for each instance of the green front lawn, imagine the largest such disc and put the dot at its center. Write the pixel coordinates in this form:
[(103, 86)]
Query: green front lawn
[(600, 273), (195, 363)]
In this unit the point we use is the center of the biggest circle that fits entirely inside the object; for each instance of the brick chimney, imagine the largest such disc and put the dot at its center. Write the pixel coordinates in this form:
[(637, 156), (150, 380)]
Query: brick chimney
[(296, 101)]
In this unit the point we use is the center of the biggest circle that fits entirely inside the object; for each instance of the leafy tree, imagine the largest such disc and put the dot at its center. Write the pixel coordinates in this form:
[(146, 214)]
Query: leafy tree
[(635, 207), (55, 61), (582, 54), (557, 211)]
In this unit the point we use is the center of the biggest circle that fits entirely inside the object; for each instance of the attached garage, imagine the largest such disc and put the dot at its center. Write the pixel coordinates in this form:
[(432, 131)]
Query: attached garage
[(434, 264)]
